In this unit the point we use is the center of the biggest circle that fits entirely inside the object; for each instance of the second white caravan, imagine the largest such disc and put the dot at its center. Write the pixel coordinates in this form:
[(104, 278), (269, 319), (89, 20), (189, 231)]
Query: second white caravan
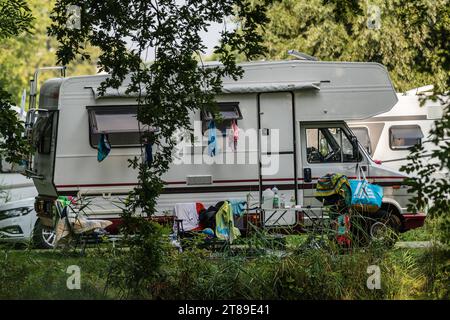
[(389, 136)]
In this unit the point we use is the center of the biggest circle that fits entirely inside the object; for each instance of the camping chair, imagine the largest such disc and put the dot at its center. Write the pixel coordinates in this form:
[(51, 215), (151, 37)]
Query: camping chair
[(65, 226)]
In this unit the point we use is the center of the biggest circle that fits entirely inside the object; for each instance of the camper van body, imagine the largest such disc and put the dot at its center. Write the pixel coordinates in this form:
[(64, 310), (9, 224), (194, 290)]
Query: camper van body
[(389, 136), (292, 102)]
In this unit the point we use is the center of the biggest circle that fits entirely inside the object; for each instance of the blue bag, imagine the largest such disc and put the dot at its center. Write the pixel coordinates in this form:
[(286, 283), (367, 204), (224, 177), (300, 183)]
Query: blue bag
[(366, 196), (366, 193)]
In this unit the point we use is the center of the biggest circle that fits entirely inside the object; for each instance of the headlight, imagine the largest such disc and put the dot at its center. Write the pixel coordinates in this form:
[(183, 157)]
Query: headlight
[(11, 213)]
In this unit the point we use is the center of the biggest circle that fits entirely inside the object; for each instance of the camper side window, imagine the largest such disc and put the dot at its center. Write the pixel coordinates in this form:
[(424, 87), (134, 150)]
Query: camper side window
[(362, 134), (227, 112), (42, 135), (325, 145), (404, 137), (119, 123)]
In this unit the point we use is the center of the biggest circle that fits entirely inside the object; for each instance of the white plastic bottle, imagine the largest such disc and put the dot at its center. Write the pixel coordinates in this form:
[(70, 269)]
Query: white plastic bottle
[(282, 201), (267, 202)]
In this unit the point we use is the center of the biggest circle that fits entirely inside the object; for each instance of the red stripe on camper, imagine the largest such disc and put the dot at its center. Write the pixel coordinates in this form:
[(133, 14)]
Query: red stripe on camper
[(215, 181)]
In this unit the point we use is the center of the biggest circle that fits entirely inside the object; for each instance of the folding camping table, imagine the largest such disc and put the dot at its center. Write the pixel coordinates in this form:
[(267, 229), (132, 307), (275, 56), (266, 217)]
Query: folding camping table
[(266, 215)]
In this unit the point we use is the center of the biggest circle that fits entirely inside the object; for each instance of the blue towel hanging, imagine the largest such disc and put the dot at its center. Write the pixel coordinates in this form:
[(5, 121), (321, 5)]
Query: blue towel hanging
[(148, 154), (212, 141), (103, 147)]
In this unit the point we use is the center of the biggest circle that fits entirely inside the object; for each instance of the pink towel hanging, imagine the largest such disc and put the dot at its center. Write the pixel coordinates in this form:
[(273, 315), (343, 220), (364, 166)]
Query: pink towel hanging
[(235, 136)]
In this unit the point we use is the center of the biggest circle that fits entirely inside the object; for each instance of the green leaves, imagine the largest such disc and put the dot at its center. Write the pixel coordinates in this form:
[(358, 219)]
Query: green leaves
[(15, 18), (412, 41), (13, 145)]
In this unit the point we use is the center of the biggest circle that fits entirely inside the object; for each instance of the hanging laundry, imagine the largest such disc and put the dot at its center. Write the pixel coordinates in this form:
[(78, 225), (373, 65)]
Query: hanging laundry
[(148, 154), (233, 139), (225, 228), (103, 147), (212, 139), (207, 218), (237, 206), (188, 213)]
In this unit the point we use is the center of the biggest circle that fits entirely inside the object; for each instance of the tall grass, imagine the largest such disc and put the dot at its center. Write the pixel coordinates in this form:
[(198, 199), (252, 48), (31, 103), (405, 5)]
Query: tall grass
[(256, 268)]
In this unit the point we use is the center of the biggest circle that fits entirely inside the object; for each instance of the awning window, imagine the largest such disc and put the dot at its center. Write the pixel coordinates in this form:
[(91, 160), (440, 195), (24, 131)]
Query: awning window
[(403, 137), (119, 123), (225, 111)]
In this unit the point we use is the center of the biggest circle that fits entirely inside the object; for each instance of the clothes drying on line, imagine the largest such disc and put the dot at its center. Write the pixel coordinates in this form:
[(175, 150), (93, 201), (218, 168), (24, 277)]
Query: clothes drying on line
[(188, 213)]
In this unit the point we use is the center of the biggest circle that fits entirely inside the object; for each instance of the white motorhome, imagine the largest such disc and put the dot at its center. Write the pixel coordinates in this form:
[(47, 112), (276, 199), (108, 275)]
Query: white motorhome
[(389, 136), (297, 110)]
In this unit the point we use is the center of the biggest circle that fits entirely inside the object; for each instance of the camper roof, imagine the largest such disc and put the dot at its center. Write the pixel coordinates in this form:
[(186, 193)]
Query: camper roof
[(324, 90)]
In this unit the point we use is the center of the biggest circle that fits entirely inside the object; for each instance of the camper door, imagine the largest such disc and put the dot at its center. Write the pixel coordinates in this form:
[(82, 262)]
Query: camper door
[(44, 141), (277, 151), (326, 148)]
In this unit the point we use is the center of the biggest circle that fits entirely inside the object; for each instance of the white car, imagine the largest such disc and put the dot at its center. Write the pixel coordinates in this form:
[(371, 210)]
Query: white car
[(20, 224)]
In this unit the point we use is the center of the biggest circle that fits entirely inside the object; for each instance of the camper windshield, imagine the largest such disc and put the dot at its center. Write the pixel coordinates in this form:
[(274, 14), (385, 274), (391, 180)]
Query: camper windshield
[(329, 145)]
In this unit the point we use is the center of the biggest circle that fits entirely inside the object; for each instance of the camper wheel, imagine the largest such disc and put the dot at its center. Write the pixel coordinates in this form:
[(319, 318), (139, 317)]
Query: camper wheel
[(385, 226), (43, 236)]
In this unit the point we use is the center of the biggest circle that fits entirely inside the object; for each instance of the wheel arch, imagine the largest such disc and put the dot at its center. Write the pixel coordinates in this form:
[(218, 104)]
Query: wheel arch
[(392, 206)]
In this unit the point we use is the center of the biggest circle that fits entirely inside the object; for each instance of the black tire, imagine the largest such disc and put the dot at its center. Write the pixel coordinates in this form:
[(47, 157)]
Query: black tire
[(43, 236), (384, 226)]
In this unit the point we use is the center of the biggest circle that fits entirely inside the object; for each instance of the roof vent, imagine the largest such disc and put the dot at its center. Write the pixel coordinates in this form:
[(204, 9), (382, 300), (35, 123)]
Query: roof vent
[(301, 55)]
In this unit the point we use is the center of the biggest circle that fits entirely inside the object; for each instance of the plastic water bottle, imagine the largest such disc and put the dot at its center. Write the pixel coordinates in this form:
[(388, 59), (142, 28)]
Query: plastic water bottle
[(276, 198), (267, 199), (283, 201)]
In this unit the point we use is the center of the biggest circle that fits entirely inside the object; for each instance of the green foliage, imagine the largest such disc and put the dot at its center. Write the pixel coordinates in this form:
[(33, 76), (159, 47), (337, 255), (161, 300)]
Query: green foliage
[(171, 86), (13, 146), (412, 40), (22, 54), (431, 182), (33, 275), (200, 274), (133, 271), (15, 18)]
